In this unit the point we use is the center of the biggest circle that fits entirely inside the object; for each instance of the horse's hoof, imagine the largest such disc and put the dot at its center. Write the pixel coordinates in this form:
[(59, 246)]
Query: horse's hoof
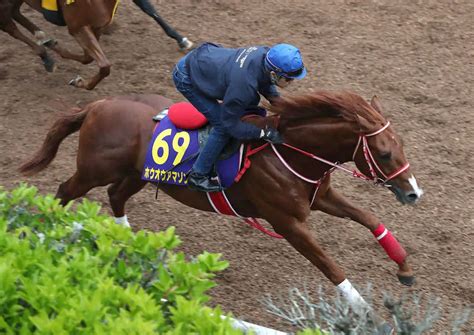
[(407, 280), (49, 43), (77, 82), (50, 66), (40, 35), (48, 63), (41, 38), (185, 44)]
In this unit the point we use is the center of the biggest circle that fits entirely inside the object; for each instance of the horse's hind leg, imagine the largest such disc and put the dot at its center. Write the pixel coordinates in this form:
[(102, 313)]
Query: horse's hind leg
[(11, 28), (89, 42), (73, 188), (120, 192), (333, 203), (30, 26), (147, 7)]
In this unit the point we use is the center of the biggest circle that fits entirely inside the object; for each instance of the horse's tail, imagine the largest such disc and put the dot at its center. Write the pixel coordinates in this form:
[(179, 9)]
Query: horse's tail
[(63, 127)]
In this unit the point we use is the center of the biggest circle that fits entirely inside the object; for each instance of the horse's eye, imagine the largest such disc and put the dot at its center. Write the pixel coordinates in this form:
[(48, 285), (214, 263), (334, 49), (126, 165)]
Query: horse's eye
[(385, 156)]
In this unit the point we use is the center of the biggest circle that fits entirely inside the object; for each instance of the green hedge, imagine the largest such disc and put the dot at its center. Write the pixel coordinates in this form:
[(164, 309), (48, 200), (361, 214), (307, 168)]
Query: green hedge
[(65, 271)]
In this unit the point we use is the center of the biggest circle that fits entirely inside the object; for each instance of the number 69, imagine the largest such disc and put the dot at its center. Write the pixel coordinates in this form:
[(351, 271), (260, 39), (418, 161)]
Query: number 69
[(180, 149)]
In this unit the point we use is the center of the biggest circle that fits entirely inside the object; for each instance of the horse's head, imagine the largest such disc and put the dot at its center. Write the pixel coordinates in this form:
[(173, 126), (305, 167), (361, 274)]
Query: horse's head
[(379, 156), (342, 126)]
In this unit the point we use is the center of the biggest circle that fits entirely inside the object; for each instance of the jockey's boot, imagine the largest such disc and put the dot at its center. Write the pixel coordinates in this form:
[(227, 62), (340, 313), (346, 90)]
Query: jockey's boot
[(199, 182)]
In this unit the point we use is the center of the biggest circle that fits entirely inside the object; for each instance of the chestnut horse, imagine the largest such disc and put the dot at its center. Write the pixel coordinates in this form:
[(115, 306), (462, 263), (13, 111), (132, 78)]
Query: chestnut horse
[(280, 186), (86, 21)]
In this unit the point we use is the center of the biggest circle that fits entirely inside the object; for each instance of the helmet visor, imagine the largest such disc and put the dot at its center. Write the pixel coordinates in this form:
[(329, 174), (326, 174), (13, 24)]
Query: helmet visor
[(297, 74)]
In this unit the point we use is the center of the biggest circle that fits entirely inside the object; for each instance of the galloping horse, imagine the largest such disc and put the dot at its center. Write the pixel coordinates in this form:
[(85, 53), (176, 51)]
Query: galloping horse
[(284, 182), (86, 20)]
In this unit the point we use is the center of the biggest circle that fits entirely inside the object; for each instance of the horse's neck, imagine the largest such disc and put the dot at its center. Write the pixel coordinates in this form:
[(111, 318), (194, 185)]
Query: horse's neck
[(333, 140)]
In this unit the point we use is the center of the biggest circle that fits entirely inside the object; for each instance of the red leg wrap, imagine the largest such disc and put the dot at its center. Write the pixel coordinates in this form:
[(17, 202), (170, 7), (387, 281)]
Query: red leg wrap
[(390, 244)]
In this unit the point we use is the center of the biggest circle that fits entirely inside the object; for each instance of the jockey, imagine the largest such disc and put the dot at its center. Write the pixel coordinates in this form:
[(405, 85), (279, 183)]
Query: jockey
[(236, 77)]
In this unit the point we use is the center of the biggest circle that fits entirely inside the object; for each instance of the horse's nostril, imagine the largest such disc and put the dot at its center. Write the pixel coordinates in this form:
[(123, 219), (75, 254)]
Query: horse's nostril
[(412, 197)]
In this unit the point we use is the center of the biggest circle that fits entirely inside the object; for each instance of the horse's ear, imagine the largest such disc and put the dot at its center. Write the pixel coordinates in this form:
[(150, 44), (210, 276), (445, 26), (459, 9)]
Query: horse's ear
[(365, 126), (375, 103)]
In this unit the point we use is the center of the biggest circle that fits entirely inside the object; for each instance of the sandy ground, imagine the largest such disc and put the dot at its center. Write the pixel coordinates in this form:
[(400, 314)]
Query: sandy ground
[(417, 56)]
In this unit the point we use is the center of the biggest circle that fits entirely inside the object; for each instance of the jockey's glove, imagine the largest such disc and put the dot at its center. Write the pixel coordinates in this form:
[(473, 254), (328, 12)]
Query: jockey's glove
[(271, 135)]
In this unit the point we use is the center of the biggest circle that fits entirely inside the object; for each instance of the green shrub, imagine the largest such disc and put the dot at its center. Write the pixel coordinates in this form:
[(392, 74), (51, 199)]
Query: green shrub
[(65, 271)]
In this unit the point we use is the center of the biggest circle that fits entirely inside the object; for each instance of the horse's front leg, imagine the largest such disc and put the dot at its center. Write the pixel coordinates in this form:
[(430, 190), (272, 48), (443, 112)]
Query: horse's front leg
[(299, 236), (297, 233), (89, 41), (30, 26), (66, 54), (11, 28), (333, 203)]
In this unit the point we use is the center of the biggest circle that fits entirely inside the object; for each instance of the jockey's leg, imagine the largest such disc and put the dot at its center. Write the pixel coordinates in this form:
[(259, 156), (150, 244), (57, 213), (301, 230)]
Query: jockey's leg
[(148, 8), (202, 168), (120, 192), (201, 175), (333, 203), (209, 154)]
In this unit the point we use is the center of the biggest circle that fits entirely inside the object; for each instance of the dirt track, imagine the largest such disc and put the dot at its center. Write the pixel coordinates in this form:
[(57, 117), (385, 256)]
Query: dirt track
[(417, 56)]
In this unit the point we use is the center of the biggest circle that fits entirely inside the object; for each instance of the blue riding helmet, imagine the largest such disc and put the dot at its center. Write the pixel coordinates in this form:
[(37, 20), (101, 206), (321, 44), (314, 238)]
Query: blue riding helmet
[(286, 61)]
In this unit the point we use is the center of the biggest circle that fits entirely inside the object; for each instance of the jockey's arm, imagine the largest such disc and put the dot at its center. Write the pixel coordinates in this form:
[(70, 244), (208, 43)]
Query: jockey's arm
[(271, 93), (236, 101)]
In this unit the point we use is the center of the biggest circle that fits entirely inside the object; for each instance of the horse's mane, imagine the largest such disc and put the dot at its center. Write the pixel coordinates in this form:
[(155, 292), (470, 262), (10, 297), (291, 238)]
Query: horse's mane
[(345, 104)]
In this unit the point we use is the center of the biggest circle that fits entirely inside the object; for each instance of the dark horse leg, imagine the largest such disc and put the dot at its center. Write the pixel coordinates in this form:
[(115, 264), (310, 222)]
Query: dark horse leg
[(7, 25), (88, 40), (147, 7), (120, 192), (333, 203), (30, 26)]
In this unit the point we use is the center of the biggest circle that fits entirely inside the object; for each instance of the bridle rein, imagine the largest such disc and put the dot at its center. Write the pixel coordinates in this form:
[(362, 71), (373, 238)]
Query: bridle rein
[(371, 162)]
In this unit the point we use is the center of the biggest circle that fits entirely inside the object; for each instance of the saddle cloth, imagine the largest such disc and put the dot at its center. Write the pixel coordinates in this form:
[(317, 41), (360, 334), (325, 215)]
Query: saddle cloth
[(172, 151), (52, 12), (174, 147)]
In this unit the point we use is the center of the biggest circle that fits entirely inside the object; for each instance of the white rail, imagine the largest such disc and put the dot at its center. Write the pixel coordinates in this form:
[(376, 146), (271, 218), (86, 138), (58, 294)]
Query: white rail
[(258, 330), (247, 326)]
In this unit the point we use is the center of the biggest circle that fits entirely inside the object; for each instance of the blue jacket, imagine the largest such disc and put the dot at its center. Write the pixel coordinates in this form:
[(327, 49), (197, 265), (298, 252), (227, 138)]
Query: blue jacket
[(235, 76)]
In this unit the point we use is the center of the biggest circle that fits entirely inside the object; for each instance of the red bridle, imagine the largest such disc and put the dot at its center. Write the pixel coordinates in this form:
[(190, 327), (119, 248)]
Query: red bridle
[(371, 162), (367, 154)]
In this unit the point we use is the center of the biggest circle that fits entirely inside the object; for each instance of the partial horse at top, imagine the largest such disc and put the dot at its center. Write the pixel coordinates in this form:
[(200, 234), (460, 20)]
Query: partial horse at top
[(86, 21)]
